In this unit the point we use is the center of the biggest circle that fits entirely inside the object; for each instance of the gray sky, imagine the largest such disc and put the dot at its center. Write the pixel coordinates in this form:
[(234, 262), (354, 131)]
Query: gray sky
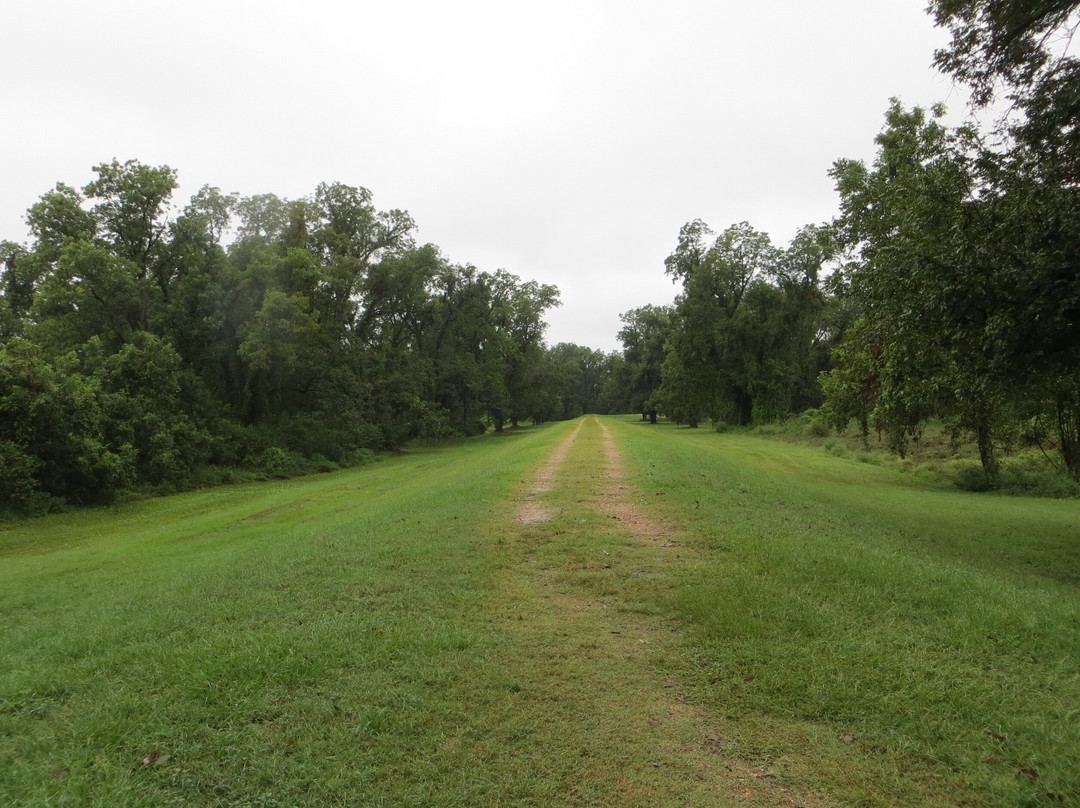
[(566, 142)]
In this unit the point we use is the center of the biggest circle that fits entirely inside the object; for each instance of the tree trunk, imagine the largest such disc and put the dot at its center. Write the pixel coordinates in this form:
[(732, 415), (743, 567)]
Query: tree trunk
[(1068, 423), (744, 403), (986, 451)]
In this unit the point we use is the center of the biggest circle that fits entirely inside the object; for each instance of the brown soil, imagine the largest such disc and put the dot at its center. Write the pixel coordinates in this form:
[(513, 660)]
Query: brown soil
[(622, 501), (531, 512)]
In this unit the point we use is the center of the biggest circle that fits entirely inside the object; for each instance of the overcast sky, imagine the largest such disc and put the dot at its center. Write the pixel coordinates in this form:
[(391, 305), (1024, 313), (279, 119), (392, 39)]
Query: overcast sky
[(566, 142)]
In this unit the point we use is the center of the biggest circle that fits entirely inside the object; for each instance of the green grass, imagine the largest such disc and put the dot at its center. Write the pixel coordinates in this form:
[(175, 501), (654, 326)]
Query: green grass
[(308, 642), (931, 627), (390, 635)]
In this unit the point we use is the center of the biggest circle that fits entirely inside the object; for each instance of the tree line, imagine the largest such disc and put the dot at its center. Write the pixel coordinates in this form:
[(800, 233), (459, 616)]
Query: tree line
[(143, 347), (948, 287)]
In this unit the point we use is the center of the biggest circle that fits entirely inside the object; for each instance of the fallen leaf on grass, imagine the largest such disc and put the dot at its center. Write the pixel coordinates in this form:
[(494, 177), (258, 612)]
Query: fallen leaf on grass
[(153, 757)]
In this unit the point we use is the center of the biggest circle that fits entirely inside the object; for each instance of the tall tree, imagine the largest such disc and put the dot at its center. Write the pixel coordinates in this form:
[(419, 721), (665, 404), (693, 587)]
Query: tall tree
[(930, 299), (644, 336), (581, 379), (130, 205), (741, 346), (517, 310), (1021, 50), (18, 281), (137, 344)]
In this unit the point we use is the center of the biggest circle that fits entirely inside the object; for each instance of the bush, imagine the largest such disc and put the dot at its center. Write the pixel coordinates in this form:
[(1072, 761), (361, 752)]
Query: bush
[(971, 477), (67, 452), (1027, 475), (360, 457), (819, 428), (277, 462), (1036, 479), (18, 477)]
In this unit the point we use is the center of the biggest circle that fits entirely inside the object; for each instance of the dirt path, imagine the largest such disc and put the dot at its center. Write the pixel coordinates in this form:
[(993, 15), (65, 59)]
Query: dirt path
[(587, 558), (622, 503), (531, 510)]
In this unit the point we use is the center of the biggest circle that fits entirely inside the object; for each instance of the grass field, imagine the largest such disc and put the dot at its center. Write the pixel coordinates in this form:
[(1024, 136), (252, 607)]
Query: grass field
[(599, 612)]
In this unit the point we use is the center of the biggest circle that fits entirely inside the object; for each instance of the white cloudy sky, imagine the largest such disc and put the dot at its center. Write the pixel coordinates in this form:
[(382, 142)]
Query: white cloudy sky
[(565, 141)]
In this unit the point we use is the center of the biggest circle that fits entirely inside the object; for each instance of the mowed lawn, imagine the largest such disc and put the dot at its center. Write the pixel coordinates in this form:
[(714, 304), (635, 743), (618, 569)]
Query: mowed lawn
[(934, 633), (334, 640), (317, 641)]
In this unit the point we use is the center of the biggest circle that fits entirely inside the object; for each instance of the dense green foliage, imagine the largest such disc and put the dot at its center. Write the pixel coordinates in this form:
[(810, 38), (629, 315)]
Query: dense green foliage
[(963, 249), (141, 346), (745, 342), (645, 336)]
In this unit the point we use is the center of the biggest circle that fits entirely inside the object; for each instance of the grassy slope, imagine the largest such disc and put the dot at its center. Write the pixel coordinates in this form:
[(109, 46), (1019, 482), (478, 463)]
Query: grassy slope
[(937, 631), (303, 642), (388, 636)]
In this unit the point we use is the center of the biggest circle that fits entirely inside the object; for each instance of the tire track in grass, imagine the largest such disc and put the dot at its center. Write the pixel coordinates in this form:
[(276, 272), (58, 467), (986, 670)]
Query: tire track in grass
[(620, 502), (531, 511), (602, 715)]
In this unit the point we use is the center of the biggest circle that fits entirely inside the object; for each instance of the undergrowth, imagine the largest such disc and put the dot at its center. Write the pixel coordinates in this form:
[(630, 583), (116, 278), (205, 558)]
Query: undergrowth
[(939, 452)]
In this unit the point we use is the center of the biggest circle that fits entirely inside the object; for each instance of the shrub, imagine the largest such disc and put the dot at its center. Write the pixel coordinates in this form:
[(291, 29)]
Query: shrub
[(276, 462), (971, 477), (18, 480)]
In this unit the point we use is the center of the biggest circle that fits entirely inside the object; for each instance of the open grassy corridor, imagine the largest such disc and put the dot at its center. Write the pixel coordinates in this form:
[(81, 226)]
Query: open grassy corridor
[(588, 613)]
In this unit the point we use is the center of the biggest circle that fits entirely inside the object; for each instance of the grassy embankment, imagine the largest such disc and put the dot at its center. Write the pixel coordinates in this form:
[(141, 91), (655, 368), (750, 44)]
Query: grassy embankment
[(935, 633), (309, 642), (819, 631)]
